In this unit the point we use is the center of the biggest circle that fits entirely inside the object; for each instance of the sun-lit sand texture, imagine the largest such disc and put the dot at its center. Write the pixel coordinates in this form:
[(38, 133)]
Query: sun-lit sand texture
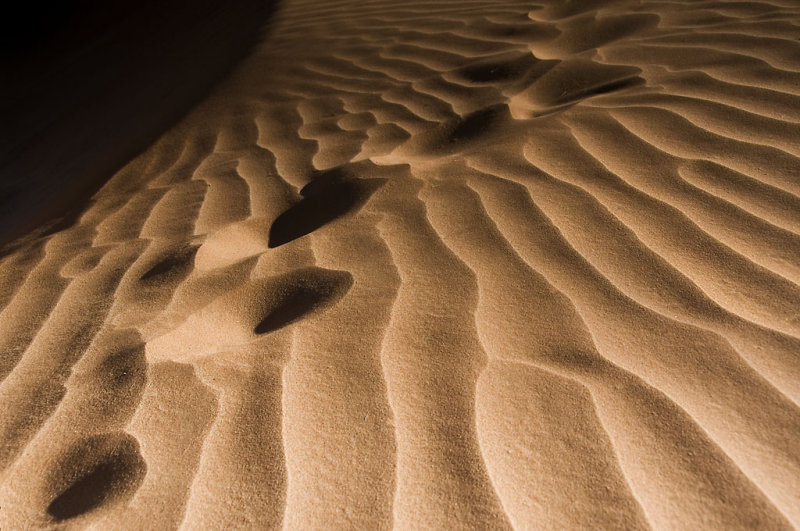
[(433, 264)]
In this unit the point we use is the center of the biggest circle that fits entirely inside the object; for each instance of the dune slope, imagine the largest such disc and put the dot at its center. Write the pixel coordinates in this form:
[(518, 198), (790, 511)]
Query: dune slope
[(455, 264)]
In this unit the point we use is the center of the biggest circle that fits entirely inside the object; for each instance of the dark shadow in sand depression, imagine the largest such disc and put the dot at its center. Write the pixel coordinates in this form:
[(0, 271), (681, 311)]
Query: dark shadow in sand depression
[(301, 293), (112, 469), (330, 195)]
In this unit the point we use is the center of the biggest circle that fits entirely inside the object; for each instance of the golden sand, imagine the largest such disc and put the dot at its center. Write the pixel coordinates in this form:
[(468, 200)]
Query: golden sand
[(453, 264)]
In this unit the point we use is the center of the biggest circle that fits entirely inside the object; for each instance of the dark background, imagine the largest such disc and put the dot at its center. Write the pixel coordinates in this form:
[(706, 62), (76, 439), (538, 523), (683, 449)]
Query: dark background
[(87, 85)]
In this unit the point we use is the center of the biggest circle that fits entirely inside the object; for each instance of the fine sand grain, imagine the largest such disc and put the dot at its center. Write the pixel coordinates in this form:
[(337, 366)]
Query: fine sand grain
[(453, 264)]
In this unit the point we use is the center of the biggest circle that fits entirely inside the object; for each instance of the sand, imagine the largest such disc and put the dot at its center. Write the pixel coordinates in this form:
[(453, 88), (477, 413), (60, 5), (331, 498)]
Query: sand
[(433, 265)]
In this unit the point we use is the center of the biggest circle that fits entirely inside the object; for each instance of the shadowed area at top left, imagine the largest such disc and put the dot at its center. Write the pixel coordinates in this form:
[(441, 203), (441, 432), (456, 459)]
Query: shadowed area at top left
[(88, 85)]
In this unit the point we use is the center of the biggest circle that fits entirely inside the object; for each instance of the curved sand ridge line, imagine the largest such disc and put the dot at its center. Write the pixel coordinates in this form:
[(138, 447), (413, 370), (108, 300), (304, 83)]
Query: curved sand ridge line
[(460, 264)]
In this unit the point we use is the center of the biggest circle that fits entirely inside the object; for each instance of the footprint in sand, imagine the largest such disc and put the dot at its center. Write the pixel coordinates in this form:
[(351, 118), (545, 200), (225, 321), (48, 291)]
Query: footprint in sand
[(462, 133), (569, 82), (303, 292), (252, 310), (511, 68), (175, 267), (99, 471), (330, 195)]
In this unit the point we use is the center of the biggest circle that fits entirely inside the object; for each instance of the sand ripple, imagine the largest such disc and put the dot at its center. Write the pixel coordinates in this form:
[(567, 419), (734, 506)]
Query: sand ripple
[(456, 264)]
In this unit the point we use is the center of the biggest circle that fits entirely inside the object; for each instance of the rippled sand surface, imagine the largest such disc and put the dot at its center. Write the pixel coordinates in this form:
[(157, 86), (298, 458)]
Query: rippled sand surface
[(452, 264)]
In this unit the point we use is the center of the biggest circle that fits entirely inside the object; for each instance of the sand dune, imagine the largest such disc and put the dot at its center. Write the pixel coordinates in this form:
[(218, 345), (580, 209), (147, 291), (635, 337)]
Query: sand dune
[(455, 264)]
